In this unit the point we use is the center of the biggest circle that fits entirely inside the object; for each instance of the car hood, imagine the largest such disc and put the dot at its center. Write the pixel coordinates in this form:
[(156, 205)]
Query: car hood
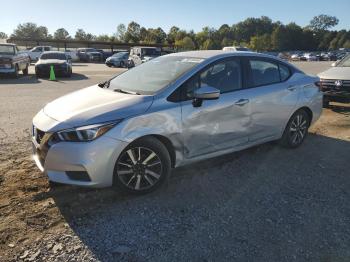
[(94, 105), (50, 61), (114, 58), (6, 56), (339, 73)]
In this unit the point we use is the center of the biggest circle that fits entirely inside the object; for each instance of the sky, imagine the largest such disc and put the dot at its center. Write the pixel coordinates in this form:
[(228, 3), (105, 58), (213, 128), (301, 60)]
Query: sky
[(103, 16)]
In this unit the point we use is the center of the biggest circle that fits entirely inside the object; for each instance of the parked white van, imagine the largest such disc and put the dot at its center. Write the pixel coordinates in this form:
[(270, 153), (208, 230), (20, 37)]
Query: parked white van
[(141, 54)]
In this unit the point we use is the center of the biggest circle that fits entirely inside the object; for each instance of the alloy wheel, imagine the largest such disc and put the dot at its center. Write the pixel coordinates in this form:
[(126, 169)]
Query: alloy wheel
[(298, 129), (139, 168)]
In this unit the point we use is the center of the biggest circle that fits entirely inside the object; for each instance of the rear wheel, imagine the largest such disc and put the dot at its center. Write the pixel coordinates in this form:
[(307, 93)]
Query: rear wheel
[(122, 64), (142, 167), (296, 130), (25, 71)]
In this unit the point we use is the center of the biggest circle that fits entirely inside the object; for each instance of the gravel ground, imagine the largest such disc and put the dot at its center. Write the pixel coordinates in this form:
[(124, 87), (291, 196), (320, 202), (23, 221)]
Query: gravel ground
[(262, 204)]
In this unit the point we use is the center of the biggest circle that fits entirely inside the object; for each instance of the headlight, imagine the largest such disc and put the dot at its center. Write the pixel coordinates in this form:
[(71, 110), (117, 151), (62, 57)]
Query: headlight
[(85, 133)]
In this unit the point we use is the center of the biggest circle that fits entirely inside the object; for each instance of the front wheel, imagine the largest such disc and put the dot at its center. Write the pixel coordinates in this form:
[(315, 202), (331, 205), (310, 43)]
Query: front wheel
[(142, 167), (15, 74), (296, 129)]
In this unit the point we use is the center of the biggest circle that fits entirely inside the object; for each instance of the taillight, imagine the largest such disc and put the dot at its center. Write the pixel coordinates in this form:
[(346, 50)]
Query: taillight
[(319, 85)]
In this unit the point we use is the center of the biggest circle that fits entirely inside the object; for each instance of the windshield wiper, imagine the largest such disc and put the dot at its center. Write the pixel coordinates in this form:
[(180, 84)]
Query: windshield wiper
[(104, 84), (125, 92)]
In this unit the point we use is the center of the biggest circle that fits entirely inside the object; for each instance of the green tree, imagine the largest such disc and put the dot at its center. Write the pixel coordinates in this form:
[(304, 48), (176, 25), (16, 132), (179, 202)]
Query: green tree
[(260, 43), (347, 44), (3, 35), (226, 42), (121, 29), (171, 37), (323, 22), (103, 38), (82, 35), (208, 45), (30, 31), (132, 34), (185, 44), (61, 34)]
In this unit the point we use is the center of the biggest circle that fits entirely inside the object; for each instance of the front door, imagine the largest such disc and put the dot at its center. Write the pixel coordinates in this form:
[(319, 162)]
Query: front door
[(216, 124)]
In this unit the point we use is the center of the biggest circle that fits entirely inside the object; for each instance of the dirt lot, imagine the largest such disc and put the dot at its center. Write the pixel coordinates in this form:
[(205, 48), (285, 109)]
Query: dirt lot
[(263, 204)]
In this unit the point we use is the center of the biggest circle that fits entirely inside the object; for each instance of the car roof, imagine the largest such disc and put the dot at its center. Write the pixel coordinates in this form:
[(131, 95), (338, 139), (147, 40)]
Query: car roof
[(53, 52), (217, 54), (206, 54)]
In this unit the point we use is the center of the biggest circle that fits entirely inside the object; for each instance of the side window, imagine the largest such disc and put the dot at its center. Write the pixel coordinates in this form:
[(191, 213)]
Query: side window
[(284, 72), (263, 72), (46, 48), (225, 76)]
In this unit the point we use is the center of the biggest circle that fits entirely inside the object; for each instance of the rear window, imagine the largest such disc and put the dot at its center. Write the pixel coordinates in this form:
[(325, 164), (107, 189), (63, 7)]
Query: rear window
[(58, 56), (265, 72)]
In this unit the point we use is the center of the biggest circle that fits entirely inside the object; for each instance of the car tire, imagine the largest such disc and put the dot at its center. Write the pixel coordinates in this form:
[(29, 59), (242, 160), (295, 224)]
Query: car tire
[(296, 129), (69, 73), (122, 64), (15, 74), (142, 167), (131, 64), (25, 71)]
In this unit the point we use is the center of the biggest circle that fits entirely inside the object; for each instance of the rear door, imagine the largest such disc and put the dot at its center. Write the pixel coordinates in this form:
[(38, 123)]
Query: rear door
[(272, 97), (217, 124)]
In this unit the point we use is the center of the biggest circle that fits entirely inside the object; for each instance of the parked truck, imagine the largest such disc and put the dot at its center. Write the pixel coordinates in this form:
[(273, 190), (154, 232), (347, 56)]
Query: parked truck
[(12, 61)]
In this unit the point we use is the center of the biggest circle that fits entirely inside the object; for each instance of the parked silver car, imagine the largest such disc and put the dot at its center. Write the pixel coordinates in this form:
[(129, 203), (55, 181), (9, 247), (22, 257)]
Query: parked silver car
[(118, 59), (173, 110)]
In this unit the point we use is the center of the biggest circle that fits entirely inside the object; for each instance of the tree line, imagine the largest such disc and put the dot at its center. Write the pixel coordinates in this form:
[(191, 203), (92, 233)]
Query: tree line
[(261, 34)]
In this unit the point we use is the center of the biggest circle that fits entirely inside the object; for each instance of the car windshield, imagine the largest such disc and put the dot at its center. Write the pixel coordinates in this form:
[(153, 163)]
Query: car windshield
[(150, 52), (7, 49), (345, 62), (122, 54), (154, 75), (57, 56)]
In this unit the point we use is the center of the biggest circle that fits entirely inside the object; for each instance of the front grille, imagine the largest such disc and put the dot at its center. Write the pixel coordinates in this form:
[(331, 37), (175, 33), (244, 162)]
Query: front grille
[(332, 84), (45, 69)]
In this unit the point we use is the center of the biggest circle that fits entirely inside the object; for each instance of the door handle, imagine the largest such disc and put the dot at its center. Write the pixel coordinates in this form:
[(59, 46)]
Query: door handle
[(241, 102), (291, 88)]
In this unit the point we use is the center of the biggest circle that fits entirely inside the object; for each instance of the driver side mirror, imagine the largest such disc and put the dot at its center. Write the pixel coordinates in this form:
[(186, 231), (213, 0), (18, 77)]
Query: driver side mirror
[(204, 93)]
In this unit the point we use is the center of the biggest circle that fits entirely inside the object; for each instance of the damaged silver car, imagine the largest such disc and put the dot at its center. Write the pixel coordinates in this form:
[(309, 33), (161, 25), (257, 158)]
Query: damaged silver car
[(131, 131)]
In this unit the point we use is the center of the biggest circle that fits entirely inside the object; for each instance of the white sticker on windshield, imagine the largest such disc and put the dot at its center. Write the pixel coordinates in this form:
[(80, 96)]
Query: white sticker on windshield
[(192, 60)]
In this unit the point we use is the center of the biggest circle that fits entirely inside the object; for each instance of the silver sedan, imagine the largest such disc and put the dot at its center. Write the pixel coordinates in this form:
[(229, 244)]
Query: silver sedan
[(131, 131)]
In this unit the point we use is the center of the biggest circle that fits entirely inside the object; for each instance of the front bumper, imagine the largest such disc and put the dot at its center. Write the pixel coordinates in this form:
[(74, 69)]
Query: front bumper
[(79, 163), (7, 70), (45, 70)]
